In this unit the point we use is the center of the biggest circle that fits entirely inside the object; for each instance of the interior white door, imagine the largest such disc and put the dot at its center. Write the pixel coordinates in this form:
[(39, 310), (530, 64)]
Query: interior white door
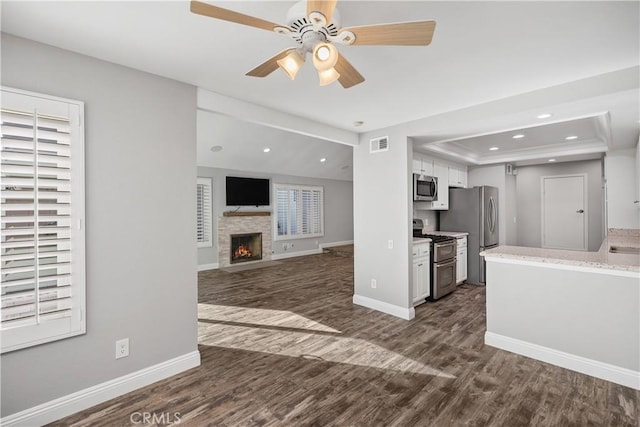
[(564, 212)]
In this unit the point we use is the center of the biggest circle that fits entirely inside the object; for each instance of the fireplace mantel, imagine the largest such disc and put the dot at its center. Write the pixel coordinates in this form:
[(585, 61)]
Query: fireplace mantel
[(232, 213)]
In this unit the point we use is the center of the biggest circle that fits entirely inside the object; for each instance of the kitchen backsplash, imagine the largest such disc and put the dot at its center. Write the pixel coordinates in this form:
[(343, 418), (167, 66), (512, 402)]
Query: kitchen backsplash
[(430, 219)]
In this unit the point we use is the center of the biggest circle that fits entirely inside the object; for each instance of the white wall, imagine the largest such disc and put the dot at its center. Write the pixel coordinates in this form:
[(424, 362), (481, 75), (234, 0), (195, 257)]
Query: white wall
[(140, 220), (620, 170), (495, 176), (338, 211), (382, 212), (529, 200)]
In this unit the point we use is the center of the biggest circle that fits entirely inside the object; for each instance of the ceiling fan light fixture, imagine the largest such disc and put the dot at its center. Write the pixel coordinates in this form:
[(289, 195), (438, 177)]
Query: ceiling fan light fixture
[(325, 56), (291, 64), (328, 76)]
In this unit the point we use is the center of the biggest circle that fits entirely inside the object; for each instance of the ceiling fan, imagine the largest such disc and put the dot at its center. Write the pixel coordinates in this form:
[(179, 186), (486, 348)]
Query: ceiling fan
[(315, 26)]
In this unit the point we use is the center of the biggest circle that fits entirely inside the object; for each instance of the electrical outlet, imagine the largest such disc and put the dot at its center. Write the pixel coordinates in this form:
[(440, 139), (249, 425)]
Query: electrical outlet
[(390, 244), (374, 283), (122, 348)]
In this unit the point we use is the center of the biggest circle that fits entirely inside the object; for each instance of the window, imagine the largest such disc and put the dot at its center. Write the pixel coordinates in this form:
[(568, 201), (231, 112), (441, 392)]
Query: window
[(204, 225), (42, 244), (299, 211)]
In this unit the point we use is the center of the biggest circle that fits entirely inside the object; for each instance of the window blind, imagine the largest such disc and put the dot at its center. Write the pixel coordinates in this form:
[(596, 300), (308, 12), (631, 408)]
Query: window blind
[(42, 207), (204, 224), (299, 211)]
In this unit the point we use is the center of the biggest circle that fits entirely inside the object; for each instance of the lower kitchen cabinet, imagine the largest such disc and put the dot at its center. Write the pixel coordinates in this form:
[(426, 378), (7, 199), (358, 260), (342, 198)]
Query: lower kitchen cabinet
[(421, 273), (461, 262)]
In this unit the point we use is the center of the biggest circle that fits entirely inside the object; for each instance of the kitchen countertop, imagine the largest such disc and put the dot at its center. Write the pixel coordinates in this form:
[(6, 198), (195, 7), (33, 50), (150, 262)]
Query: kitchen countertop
[(601, 259), (456, 234), (417, 240)]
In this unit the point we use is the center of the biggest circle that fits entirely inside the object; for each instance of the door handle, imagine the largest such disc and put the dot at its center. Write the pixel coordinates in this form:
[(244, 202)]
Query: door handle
[(580, 211)]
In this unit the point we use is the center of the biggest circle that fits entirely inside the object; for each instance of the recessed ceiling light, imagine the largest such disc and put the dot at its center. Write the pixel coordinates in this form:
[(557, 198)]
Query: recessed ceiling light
[(493, 149), (358, 123), (569, 138), (552, 160), (518, 136), (322, 160), (544, 115), (266, 150), (216, 148)]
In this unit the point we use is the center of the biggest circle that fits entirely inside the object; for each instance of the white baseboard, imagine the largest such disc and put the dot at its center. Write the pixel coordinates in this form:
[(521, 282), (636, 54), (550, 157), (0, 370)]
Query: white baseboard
[(385, 307), (332, 244), (83, 399), (205, 267), (295, 254), (595, 368)]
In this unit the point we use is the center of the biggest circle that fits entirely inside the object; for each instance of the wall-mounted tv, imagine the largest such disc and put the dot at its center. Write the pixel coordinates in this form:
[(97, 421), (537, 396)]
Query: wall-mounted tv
[(247, 191)]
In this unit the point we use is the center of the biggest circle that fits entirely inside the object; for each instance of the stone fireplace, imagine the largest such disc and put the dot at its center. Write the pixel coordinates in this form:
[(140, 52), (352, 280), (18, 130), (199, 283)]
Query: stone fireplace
[(246, 247), (240, 225)]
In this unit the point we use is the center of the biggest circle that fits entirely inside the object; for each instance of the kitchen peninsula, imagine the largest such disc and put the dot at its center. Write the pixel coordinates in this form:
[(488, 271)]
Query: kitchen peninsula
[(577, 310)]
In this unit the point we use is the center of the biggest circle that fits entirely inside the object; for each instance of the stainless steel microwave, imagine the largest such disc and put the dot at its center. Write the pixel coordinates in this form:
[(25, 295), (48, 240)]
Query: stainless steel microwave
[(425, 188)]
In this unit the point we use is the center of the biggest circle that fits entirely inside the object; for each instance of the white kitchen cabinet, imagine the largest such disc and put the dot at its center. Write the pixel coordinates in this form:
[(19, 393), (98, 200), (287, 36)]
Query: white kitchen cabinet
[(461, 262), (421, 273), (422, 166), (442, 172), (457, 176)]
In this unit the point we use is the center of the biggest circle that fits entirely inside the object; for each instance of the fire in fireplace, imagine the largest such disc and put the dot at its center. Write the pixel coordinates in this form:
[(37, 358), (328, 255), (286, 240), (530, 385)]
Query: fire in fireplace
[(246, 247)]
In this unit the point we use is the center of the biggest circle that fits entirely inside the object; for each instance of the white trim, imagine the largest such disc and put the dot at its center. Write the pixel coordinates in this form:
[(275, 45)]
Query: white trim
[(594, 368), (205, 267), (83, 399), (555, 264), (296, 254), (585, 208), (332, 244), (406, 313)]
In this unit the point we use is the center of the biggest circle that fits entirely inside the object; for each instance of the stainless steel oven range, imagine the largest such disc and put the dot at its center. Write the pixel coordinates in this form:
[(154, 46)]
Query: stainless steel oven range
[(443, 261)]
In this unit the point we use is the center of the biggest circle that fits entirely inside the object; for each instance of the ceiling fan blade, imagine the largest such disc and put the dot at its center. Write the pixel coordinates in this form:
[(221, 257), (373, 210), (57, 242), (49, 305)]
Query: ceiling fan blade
[(270, 65), (349, 76), (325, 7), (229, 15), (417, 33)]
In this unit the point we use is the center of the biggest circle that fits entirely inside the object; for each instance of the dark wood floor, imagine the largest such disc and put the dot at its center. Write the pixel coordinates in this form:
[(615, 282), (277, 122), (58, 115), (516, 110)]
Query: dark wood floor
[(285, 346)]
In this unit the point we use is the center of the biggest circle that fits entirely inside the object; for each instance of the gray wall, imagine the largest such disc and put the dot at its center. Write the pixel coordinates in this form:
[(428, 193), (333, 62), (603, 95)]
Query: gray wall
[(581, 313), (495, 176), (511, 210), (382, 207), (530, 200), (140, 222), (622, 212), (338, 210)]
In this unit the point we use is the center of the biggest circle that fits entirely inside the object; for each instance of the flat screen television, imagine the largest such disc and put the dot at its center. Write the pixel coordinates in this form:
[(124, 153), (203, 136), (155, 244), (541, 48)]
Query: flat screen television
[(247, 191)]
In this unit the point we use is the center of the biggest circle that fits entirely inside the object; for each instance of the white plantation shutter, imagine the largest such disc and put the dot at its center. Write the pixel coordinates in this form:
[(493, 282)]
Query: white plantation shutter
[(42, 206), (204, 216), (299, 211)]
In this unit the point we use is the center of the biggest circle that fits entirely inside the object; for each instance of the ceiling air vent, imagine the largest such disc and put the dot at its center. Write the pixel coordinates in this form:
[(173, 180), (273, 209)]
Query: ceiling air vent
[(378, 145)]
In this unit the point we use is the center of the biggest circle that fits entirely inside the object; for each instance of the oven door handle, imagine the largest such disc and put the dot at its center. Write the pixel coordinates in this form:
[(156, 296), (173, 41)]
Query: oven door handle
[(446, 264)]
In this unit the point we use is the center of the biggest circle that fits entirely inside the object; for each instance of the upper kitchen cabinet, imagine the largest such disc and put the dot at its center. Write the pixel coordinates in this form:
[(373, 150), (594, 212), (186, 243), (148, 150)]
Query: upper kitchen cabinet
[(442, 173), (423, 166), (457, 176)]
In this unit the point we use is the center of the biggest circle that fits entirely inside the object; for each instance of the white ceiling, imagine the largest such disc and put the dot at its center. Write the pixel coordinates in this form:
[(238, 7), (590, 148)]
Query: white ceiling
[(481, 52), (243, 145)]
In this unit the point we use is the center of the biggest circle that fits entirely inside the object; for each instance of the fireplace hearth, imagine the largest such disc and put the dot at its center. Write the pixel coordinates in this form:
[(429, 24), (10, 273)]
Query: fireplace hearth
[(246, 247)]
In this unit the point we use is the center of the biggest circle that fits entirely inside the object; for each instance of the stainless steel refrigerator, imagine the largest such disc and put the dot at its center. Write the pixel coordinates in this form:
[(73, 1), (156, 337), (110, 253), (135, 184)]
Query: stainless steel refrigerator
[(474, 210)]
